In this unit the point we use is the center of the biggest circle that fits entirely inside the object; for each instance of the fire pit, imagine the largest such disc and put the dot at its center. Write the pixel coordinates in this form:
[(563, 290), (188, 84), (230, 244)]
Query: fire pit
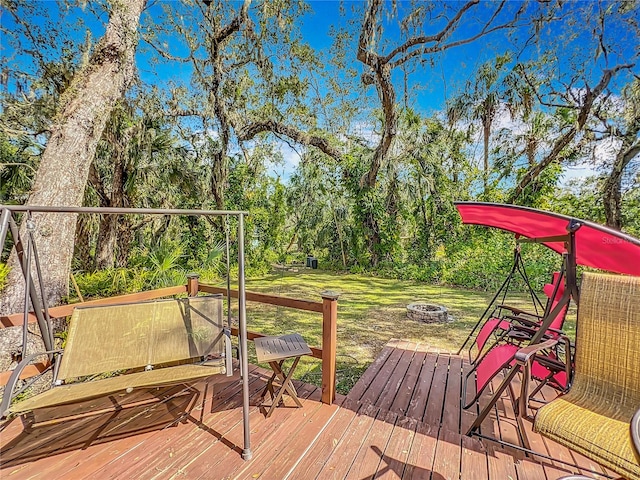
[(427, 313)]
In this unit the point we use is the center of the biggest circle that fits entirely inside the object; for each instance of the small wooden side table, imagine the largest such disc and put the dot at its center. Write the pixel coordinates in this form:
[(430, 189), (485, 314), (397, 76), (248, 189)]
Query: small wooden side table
[(275, 350)]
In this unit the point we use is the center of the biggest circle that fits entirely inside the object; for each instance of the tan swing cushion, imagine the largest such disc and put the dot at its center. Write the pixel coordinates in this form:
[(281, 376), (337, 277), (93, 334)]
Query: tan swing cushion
[(594, 417), (75, 392), (153, 335)]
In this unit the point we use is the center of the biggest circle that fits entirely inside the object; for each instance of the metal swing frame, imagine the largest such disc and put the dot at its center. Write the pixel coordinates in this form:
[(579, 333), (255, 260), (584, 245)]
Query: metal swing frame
[(517, 267), (27, 254)]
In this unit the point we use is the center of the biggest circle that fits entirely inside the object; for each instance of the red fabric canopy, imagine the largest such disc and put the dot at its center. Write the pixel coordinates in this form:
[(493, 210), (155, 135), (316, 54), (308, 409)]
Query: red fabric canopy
[(597, 246)]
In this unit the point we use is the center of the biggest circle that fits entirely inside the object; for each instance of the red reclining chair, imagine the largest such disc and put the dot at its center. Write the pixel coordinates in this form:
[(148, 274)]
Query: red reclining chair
[(510, 331), (521, 321)]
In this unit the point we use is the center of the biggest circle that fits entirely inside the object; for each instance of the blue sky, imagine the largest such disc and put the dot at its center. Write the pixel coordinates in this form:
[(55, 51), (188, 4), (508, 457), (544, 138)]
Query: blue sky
[(428, 85)]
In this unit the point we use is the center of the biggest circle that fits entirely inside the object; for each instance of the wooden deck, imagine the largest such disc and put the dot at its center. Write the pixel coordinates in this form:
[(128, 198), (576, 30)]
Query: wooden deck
[(401, 420)]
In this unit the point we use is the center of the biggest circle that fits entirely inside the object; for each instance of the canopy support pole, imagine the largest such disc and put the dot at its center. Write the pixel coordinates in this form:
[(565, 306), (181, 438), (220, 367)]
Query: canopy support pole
[(571, 280), (517, 266), (242, 320)]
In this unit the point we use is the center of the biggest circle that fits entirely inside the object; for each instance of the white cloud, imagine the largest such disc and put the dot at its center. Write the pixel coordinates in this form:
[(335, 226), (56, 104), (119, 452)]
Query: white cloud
[(603, 154), (366, 131), (214, 134), (606, 150), (503, 120), (288, 161), (580, 171)]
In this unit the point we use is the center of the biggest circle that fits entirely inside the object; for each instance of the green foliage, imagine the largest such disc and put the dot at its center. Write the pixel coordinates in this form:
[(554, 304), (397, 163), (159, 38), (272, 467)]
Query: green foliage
[(106, 283), (403, 225), (163, 264), (483, 260), (18, 160), (4, 273)]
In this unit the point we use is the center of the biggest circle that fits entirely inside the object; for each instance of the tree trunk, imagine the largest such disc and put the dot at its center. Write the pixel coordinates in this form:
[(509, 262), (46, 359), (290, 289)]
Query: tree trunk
[(584, 111), (373, 237), (125, 234), (64, 167), (611, 190), (106, 246), (82, 251), (108, 233), (486, 135)]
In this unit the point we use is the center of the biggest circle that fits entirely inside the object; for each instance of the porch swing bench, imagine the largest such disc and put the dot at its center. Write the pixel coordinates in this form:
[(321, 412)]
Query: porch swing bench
[(135, 346)]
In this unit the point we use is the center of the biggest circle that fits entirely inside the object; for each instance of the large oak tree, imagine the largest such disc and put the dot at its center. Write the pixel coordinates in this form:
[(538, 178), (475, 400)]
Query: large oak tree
[(82, 114)]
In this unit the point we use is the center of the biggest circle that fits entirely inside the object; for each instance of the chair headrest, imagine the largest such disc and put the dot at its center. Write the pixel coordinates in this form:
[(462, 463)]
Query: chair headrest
[(550, 287)]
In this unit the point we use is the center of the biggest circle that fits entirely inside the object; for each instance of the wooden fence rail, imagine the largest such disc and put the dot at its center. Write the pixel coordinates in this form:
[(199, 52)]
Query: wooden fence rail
[(328, 307)]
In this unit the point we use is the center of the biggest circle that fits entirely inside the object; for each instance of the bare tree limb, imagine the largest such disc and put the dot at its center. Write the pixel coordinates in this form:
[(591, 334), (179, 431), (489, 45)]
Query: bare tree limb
[(247, 132), (234, 26), (442, 48), (381, 65), (583, 114), (161, 52), (438, 37)]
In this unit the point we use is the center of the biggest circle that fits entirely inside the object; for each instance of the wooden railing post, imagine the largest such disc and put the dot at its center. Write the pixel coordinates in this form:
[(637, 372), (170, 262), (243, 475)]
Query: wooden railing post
[(329, 340), (192, 284)]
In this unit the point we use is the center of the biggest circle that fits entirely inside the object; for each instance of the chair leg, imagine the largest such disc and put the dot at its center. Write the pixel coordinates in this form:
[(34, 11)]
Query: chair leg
[(269, 386), (520, 408), (492, 401), (286, 385)]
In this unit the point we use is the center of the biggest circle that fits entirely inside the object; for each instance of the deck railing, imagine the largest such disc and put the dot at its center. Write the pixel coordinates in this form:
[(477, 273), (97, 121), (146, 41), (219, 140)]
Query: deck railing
[(328, 308)]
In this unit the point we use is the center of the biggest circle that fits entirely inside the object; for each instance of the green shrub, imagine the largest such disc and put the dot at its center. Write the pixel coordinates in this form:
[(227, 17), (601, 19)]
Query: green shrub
[(116, 281), (4, 273), (483, 262)]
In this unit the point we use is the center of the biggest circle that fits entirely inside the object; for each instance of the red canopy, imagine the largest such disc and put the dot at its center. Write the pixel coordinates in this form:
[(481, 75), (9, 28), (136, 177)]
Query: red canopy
[(597, 246)]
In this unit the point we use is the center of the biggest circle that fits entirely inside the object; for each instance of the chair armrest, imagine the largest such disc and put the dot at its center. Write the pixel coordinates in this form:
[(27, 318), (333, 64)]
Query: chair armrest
[(550, 362), (524, 328), (530, 329), (523, 320), (525, 354), (561, 333), (635, 430), (227, 352), (519, 311), (15, 376)]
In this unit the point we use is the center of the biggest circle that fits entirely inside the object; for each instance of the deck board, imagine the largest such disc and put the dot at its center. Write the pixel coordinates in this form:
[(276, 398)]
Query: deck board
[(392, 388), (407, 388), (394, 459), (379, 383), (349, 445), (367, 460), (420, 460), (325, 444), (418, 402), (309, 431), (402, 419)]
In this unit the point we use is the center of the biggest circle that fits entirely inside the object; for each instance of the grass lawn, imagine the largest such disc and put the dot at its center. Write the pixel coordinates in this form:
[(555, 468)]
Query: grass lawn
[(371, 311)]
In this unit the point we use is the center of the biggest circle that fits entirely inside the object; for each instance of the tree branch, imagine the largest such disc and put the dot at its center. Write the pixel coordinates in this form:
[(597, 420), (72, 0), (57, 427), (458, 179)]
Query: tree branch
[(442, 48), (438, 37), (382, 66), (584, 111), (366, 34), (249, 131), (161, 52), (233, 26)]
